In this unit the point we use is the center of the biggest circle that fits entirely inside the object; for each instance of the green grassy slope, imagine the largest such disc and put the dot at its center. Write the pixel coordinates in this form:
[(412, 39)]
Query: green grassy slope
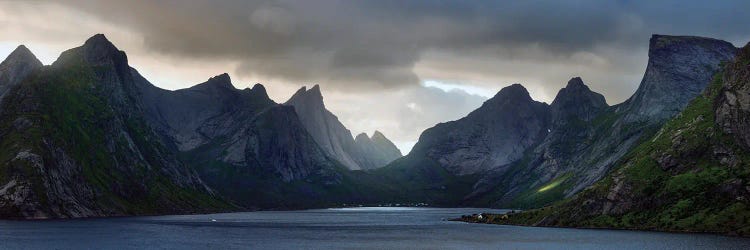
[(688, 177)]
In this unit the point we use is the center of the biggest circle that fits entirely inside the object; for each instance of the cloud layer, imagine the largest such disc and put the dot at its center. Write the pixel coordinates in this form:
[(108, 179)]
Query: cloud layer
[(385, 49)]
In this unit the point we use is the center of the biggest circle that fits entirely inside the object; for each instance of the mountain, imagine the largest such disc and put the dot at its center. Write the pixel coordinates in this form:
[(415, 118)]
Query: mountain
[(448, 159), (692, 175), (678, 67), (376, 150), (325, 127), (250, 149), (493, 136), (74, 143), (334, 138), (515, 152), (19, 64), (89, 136)]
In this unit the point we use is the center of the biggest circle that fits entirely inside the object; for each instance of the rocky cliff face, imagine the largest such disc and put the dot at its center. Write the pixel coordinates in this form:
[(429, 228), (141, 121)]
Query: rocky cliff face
[(679, 68), (334, 138), (185, 115), (571, 131), (240, 128), (491, 137), (376, 150), (19, 64), (561, 149), (733, 103), (690, 176), (75, 144), (576, 102), (89, 136)]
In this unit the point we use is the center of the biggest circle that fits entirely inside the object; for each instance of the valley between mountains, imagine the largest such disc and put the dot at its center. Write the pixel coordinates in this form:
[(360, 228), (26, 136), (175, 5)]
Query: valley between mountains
[(88, 136)]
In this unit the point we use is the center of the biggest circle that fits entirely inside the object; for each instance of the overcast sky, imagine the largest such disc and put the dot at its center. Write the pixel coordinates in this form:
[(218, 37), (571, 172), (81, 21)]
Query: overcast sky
[(394, 66)]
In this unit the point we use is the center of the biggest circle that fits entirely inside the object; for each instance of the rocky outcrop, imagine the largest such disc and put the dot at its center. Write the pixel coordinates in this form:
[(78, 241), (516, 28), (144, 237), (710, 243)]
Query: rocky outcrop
[(19, 64), (733, 103), (377, 150)]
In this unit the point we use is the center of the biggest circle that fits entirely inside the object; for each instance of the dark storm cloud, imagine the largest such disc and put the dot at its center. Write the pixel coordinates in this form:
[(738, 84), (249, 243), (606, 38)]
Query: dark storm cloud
[(367, 45)]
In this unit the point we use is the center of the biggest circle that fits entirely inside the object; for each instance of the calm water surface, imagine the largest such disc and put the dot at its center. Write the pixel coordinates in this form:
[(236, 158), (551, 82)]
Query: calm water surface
[(353, 228)]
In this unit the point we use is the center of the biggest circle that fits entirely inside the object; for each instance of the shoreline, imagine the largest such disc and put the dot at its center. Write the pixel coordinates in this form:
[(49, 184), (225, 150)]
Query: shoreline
[(493, 219)]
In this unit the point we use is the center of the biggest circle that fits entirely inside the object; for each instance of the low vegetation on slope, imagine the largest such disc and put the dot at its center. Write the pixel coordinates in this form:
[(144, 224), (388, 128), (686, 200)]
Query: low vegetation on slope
[(690, 176)]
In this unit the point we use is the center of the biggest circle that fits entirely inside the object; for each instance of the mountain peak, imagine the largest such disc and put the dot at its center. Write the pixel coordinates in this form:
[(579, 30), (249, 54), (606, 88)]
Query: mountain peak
[(315, 88), (259, 91), (218, 82), (19, 64), (690, 62), (378, 134), (576, 100), (22, 55), (661, 45), (361, 137), (308, 97), (97, 50), (224, 77), (315, 91), (515, 91), (98, 40), (99, 45), (222, 81), (259, 87), (576, 82)]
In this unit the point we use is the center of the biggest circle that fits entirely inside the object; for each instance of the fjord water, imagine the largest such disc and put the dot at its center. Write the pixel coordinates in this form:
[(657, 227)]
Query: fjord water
[(358, 228)]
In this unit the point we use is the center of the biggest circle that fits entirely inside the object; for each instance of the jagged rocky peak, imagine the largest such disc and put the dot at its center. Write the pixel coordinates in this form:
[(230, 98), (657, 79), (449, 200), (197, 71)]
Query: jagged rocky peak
[(222, 81), (99, 50), (311, 97), (386, 145), (258, 88), (512, 95), (377, 135), (258, 91), (576, 101), (679, 68), (515, 91), (335, 139), (361, 137), (21, 56), (376, 151), (19, 64)]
